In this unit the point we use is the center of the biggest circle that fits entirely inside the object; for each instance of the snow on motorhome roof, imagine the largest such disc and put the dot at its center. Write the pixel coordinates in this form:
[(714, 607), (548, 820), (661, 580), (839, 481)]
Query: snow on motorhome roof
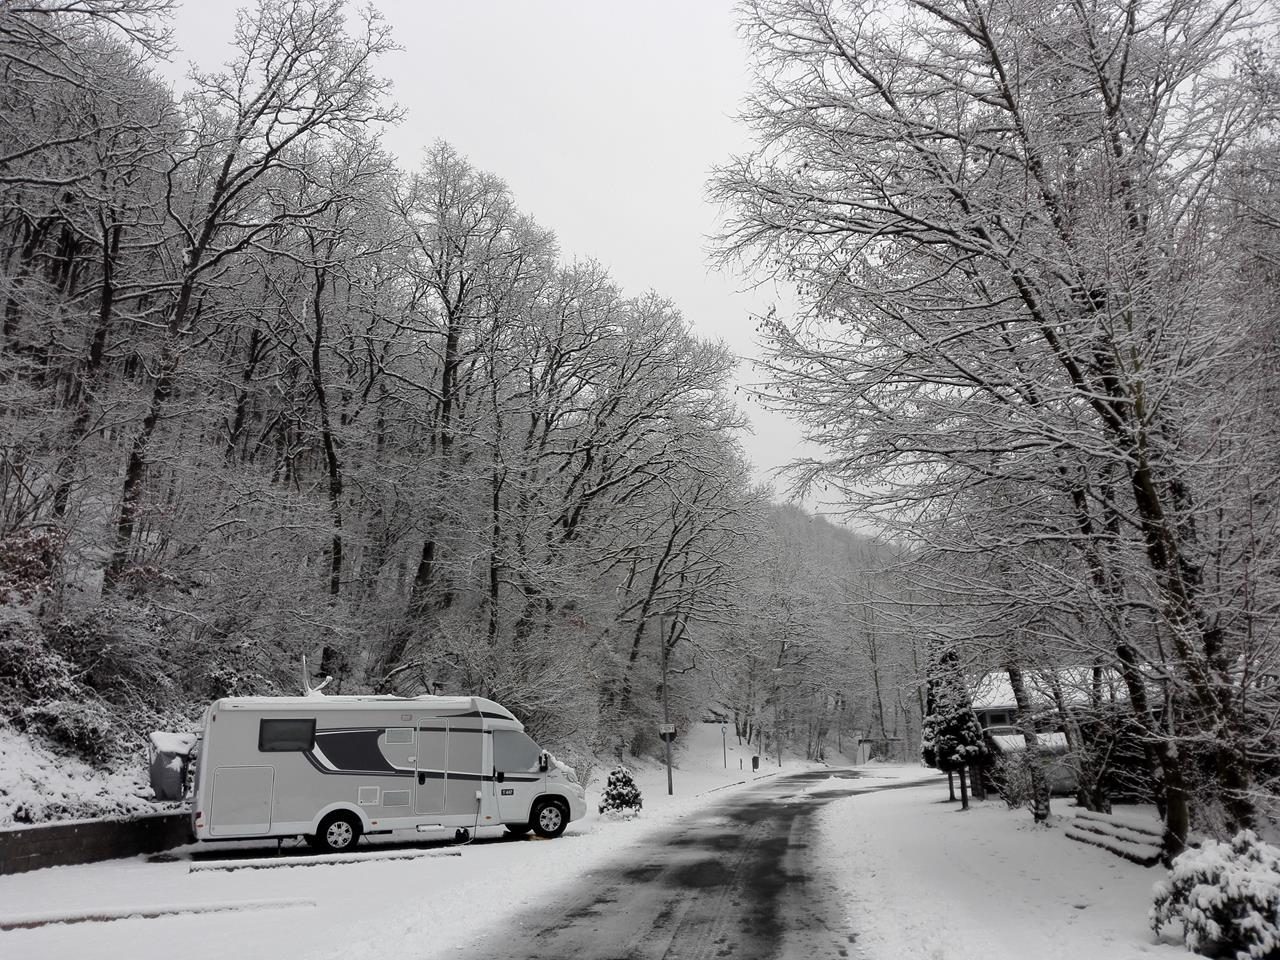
[(355, 702), (992, 690)]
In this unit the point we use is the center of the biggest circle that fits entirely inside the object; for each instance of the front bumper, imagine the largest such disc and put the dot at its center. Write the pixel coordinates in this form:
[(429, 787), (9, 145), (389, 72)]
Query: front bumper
[(577, 798)]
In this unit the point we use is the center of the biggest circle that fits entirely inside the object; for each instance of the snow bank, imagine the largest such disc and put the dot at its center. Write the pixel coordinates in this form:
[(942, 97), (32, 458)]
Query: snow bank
[(151, 911)]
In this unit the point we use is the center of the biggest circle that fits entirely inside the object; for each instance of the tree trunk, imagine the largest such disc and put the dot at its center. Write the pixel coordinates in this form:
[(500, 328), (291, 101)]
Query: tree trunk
[(978, 781), (1035, 766)]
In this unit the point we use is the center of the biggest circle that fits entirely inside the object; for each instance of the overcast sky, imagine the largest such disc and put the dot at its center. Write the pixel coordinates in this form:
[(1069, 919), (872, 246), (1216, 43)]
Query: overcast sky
[(605, 118)]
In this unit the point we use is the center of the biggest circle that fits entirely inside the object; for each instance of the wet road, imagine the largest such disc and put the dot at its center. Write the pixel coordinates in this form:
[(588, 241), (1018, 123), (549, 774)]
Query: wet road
[(735, 881)]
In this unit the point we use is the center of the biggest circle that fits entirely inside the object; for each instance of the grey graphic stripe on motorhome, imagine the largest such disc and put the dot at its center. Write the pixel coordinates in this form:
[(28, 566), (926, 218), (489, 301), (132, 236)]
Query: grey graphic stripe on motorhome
[(407, 725), (331, 771), (353, 750)]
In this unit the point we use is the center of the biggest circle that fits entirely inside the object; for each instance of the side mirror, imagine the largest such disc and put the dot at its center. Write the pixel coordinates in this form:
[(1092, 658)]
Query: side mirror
[(544, 761)]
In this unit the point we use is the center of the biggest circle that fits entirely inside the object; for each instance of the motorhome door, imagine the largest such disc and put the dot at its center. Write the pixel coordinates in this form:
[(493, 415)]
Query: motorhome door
[(517, 779), (432, 766)]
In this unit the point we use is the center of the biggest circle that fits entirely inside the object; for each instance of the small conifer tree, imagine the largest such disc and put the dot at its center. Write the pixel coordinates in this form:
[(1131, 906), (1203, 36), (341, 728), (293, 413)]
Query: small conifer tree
[(951, 739), (621, 792)]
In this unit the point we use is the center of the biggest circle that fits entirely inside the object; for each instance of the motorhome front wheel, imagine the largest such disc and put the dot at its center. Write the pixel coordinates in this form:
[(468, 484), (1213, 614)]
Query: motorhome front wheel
[(550, 818)]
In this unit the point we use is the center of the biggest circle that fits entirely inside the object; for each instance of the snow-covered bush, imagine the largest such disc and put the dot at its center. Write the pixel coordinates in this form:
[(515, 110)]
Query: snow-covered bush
[(89, 687), (28, 560), (1011, 776), (620, 793), (86, 728), (1227, 896), (29, 670)]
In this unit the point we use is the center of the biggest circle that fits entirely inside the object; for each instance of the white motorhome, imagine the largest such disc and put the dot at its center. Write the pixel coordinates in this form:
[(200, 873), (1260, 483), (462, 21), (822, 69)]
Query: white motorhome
[(333, 768)]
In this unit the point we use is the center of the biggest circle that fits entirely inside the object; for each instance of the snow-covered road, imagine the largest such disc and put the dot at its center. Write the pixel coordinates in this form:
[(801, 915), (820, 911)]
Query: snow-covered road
[(736, 880)]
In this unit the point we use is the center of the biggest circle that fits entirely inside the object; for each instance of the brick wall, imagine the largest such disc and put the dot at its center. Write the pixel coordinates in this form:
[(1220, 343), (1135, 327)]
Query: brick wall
[(84, 841)]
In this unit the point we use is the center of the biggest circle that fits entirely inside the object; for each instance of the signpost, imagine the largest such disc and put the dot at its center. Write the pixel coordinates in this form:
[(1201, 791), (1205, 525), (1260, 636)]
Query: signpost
[(724, 744)]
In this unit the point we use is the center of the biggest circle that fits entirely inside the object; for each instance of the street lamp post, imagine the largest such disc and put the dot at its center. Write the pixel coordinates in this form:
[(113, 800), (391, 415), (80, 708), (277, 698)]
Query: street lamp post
[(724, 744), (666, 707)]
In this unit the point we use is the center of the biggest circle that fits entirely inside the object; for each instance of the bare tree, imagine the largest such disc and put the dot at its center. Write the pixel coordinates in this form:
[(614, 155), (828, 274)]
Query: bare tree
[(300, 75)]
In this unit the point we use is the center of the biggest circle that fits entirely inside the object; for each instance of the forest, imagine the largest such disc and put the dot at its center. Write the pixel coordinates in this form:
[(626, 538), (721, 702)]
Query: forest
[(265, 394)]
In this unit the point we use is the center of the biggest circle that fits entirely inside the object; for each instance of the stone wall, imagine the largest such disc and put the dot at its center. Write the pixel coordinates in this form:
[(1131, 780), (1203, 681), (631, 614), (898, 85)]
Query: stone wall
[(85, 841)]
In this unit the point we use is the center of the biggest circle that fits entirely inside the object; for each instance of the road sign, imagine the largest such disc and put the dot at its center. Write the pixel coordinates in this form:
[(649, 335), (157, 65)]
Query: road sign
[(666, 728)]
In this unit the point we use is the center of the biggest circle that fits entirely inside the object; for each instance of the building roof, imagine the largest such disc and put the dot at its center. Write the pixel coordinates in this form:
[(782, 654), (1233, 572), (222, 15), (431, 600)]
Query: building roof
[(991, 691), (1016, 742)]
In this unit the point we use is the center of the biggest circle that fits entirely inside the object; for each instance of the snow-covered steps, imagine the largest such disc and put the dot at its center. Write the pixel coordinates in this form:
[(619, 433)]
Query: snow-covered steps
[(320, 860), (1137, 840)]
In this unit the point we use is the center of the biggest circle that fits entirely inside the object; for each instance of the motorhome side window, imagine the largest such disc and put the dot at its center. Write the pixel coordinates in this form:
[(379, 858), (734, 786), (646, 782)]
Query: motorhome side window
[(280, 736), (513, 750)]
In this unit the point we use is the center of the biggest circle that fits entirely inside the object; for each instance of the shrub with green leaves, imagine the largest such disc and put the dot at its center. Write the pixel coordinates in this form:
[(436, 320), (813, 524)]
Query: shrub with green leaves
[(1227, 896)]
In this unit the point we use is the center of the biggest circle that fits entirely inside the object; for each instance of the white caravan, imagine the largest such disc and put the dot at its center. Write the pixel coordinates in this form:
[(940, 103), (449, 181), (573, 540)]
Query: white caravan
[(333, 768)]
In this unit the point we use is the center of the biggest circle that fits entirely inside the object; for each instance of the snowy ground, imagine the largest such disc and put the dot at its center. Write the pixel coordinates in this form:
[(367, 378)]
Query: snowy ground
[(917, 878), (938, 884)]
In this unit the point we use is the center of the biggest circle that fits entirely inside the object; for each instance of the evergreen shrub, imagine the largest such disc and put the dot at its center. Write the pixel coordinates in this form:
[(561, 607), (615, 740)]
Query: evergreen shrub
[(1227, 896), (621, 793)]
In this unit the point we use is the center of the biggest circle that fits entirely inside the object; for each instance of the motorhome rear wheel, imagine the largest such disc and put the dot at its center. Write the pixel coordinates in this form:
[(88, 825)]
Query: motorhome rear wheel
[(338, 833)]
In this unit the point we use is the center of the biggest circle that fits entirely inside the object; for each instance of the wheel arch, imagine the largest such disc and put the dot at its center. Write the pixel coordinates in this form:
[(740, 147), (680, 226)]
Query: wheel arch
[(345, 807)]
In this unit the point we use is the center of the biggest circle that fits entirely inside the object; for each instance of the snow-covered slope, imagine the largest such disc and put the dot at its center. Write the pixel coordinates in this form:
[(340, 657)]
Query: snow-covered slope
[(37, 785)]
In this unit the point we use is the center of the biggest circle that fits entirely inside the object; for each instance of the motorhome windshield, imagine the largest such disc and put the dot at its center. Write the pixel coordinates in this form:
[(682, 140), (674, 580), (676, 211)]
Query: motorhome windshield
[(513, 750)]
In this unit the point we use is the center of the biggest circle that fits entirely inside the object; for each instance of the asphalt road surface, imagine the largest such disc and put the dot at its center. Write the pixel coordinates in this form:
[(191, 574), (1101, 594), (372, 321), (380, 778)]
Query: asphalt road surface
[(736, 881)]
